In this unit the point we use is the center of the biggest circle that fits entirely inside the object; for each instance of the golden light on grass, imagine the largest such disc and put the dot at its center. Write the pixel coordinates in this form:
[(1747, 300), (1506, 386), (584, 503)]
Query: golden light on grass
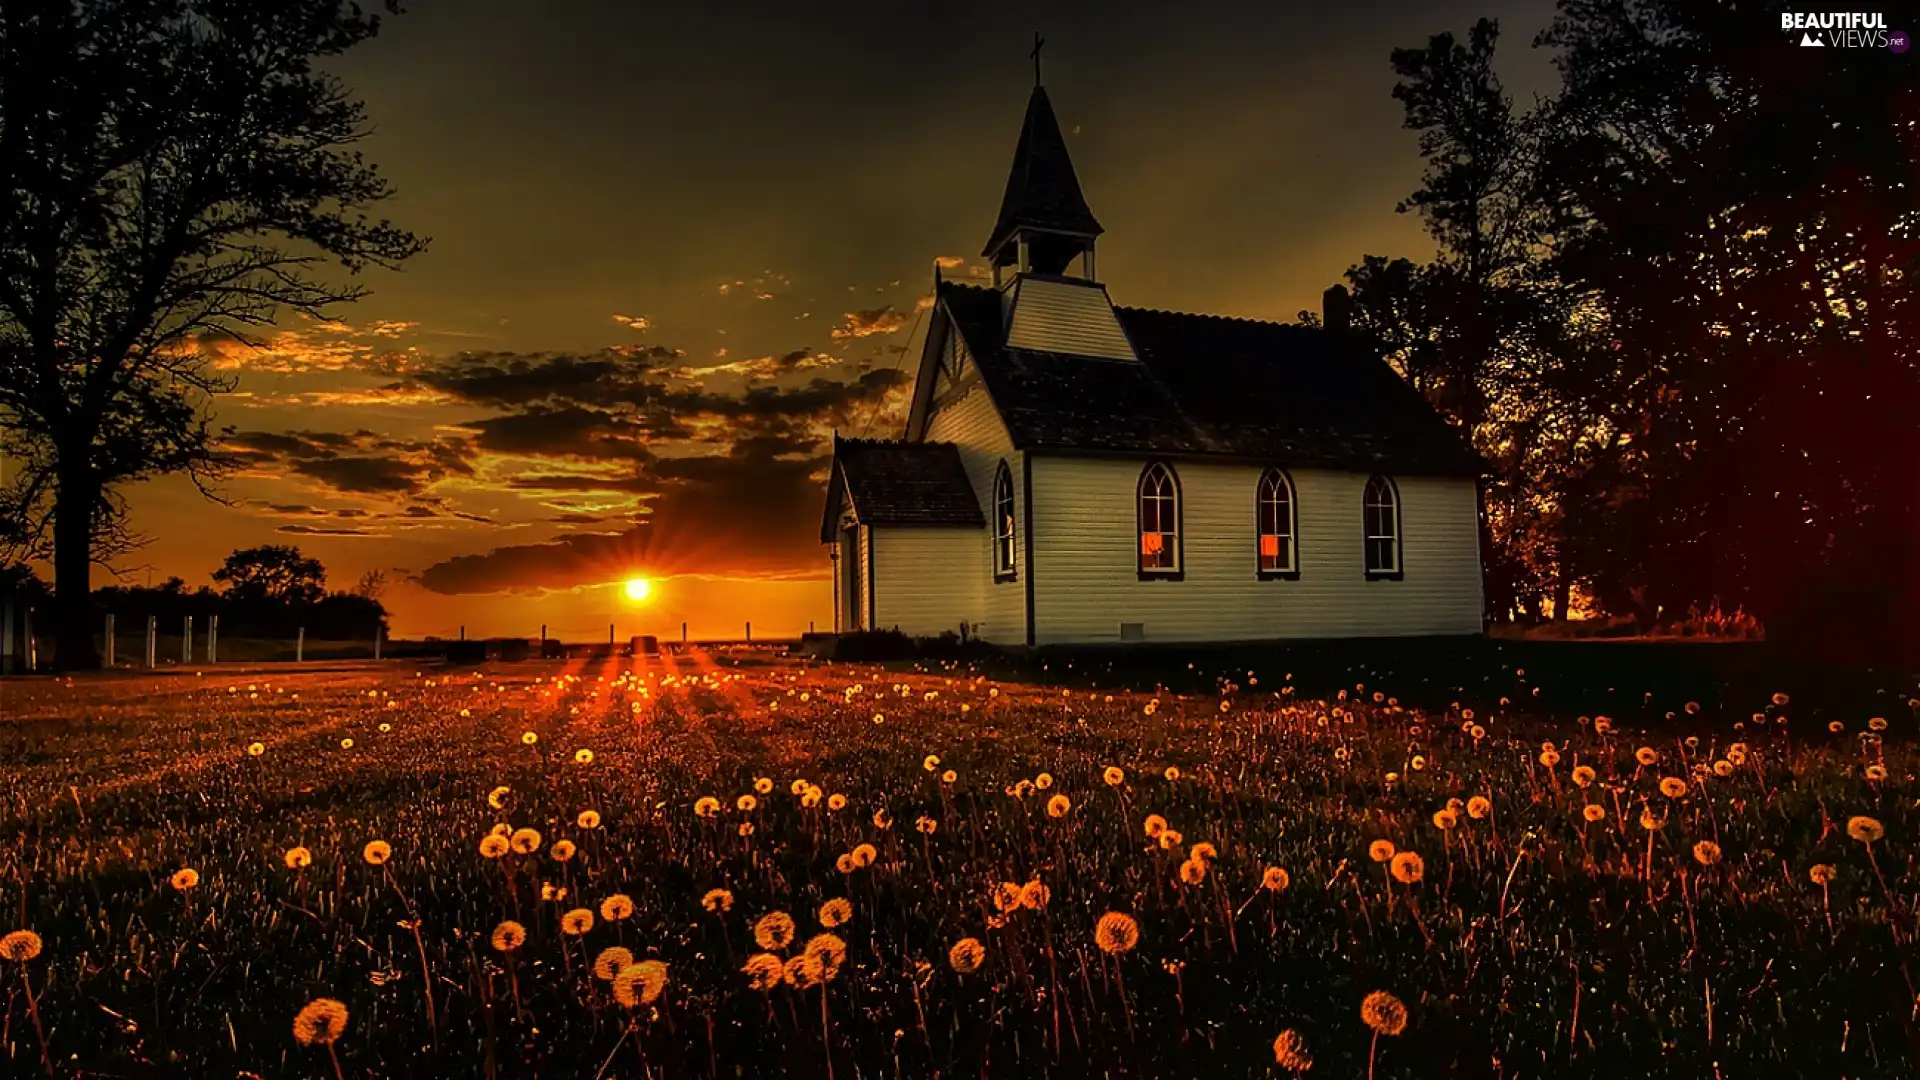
[(637, 589)]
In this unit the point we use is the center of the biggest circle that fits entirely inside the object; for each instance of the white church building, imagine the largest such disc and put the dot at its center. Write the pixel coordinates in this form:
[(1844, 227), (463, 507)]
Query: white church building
[(1077, 472)]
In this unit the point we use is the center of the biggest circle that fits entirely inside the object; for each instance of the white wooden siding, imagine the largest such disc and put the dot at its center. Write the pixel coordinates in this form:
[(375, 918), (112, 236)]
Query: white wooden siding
[(973, 424), (1086, 578), (863, 542), (917, 585), (1053, 316)]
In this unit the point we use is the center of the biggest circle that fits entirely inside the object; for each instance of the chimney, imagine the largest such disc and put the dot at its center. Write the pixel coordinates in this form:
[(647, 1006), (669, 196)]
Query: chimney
[(1336, 309)]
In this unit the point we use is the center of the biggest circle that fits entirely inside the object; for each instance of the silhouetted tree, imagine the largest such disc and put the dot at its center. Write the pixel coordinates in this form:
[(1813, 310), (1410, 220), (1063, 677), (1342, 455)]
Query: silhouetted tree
[(176, 172), (272, 574)]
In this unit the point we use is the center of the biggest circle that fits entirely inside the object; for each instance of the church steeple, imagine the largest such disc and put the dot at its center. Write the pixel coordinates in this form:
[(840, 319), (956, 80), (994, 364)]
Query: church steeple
[(1044, 220)]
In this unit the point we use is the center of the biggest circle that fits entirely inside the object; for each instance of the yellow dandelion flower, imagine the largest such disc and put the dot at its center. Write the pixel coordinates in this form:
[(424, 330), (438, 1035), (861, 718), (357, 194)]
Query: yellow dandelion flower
[(1479, 807), (1290, 1052), (525, 841), (836, 801), (746, 803), (931, 762), (1113, 776), (1380, 850), (583, 756), (529, 737), (640, 984), (588, 819), (1058, 806), (1646, 755), (967, 955), (377, 853), (1384, 1013), (493, 845), (610, 961), (616, 907), (1822, 873), (1706, 852), (508, 936), (320, 1022), (1275, 879), (1583, 775), (1865, 829), (1116, 933), (1170, 839), (1408, 867), (1594, 812), (882, 819), (185, 879), (1672, 787), (1155, 825), (764, 971), (1043, 781), (863, 855), (1034, 895), (346, 744), (774, 931), (576, 922), (763, 784), (256, 749), (926, 824), (706, 806), (1193, 871), (718, 901), (20, 946), (298, 858)]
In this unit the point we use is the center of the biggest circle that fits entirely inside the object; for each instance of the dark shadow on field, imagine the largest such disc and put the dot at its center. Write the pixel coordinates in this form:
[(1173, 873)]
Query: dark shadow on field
[(1636, 681)]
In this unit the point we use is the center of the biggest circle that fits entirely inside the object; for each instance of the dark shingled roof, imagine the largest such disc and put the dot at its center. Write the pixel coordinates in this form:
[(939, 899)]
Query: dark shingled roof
[(1042, 191), (1209, 385), (895, 483)]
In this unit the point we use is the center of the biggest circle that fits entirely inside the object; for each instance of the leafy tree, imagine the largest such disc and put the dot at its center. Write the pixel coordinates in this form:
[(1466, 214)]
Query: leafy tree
[(274, 574), (175, 173)]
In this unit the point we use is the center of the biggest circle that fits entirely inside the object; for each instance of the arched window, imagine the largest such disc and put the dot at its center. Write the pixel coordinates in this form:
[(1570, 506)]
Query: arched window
[(1274, 520), (1159, 522), (1380, 516), (1003, 522)]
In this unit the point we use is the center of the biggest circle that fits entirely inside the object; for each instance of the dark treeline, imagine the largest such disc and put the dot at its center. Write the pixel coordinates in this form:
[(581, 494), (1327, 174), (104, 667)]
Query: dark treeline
[(264, 592), (1673, 304)]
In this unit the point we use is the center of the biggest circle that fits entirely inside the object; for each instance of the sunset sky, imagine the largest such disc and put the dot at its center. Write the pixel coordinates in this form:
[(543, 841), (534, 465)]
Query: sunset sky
[(675, 245)]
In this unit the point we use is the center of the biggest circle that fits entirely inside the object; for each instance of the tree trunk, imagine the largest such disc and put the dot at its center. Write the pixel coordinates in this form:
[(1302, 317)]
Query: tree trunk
[(73, 510)]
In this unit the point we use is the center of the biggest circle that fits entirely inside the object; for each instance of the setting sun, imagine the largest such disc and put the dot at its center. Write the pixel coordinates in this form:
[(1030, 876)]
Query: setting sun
[(638, 588)]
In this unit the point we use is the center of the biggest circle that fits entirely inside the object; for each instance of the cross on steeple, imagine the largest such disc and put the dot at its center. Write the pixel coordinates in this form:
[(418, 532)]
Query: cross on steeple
[(1038, 41)]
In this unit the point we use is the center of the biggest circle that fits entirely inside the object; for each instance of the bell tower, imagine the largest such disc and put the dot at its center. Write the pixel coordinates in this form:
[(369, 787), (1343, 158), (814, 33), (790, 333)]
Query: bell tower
[(1045, 226)]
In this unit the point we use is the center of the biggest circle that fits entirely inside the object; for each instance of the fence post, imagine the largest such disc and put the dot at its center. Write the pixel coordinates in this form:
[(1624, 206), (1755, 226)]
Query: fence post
[(300, 645), (463, 631), (749, 631), (153, 638), (186, 641), (213, 639), (683, 633), (33, 646), (609, 635), (109, 649), (6, 636), (543, 641), (378, 633)]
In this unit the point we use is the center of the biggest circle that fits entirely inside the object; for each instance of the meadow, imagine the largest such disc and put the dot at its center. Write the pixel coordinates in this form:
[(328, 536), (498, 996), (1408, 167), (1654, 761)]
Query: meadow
[(737, 865)]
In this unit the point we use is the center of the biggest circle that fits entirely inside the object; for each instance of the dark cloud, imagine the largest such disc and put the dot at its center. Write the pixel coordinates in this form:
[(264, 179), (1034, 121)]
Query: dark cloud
[(746, 514), (565, 431), (359, 462), (322, 530)]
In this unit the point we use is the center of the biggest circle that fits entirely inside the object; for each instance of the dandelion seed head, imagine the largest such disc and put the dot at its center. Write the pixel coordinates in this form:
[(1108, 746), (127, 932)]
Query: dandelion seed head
[(20, 946), (967, 955), (1384, 1013), (774, 931), (1116, 933), (320, 1022), (508, 936)]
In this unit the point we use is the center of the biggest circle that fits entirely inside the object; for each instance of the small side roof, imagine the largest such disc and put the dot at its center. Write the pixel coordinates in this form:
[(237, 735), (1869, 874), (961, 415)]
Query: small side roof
[(899, 483)]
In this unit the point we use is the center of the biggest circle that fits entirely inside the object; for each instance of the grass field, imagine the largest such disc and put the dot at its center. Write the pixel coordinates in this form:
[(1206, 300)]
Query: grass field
[(976, 877)]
